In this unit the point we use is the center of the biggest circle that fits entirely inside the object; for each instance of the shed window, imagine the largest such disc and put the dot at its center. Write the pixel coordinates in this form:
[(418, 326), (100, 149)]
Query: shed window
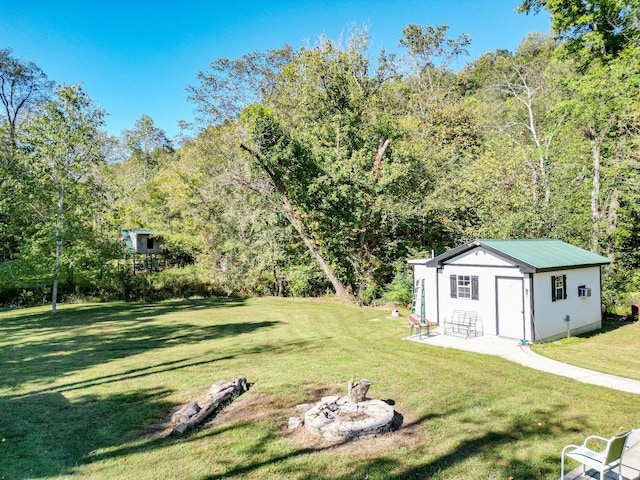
[(149, 243), (464, 286), (558, 287)]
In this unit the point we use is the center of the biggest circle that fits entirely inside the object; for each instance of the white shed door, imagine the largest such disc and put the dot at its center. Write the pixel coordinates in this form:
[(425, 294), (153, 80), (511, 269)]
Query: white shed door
[(510, 307)]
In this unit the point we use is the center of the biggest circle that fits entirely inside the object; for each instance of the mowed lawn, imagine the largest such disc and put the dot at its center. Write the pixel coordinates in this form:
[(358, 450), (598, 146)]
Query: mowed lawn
[(87, 394), (614, 349)]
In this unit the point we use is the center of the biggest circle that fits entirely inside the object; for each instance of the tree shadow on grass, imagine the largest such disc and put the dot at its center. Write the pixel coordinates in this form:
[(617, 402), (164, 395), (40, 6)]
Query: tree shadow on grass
[(37, 348), (44, 434), (130, 374), (498, 447), (73, 315)]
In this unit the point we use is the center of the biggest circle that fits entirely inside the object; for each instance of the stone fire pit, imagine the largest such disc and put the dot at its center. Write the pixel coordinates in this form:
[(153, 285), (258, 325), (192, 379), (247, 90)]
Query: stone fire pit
[(350, 417)]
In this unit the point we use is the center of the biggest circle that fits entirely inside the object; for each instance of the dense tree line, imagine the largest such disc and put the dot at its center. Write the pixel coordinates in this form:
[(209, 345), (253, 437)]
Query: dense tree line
[(323, 169)]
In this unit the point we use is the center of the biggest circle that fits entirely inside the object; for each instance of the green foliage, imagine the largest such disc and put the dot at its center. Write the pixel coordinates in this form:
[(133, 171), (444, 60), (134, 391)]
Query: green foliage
[(400, 289), (331, 152), (169, 284), (319, 168), (306, 281), (23, 89), (429, 45), (145, 144), (600, 28), (62, 148)]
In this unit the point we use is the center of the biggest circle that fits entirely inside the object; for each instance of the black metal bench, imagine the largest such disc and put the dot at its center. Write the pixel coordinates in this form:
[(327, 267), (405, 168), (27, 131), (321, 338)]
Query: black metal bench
[(462, 322)]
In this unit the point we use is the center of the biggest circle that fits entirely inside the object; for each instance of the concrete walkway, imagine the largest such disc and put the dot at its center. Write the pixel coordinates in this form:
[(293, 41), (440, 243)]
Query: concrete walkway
[(512, 350)]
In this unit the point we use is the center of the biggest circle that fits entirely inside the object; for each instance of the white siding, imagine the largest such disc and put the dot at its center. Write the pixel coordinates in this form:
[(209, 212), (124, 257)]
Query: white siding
[(480, 257), (486, 303), (140, 243), (584, 312), (420, 271)]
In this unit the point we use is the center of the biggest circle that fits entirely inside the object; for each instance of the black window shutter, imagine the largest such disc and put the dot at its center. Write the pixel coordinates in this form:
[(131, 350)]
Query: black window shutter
[(564, 287), (454, 286), (553, 288), (474, 288)]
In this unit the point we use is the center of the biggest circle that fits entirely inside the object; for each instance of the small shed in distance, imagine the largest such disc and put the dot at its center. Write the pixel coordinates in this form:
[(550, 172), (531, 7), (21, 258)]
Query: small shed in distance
[(141, 241), (142, 248)]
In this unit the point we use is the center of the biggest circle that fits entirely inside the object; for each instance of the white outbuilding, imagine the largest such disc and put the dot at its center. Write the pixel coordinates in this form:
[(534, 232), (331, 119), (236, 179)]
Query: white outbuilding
[(533, 290)]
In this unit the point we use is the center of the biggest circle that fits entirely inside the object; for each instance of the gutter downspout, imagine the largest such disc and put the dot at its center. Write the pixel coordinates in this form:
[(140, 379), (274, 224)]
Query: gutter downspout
[(438, 295), (532, 314)]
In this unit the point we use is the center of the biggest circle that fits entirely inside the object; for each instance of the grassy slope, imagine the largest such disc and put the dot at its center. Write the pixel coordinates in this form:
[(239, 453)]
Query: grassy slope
[(614, 350), (83, 395)]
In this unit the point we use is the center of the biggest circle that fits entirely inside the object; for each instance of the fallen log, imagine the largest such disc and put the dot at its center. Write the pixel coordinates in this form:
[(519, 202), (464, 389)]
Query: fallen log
[(217, 388), (209, 407), (185, 413), (240, 383), (192, 415), (179, 429)]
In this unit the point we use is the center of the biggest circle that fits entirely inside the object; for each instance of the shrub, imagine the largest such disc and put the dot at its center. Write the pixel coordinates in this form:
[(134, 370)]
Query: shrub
[(305, 281), (400, 289)]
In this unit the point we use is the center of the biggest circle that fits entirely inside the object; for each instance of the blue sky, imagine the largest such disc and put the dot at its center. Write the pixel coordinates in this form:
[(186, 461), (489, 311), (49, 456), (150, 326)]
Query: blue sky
[(137, 57)]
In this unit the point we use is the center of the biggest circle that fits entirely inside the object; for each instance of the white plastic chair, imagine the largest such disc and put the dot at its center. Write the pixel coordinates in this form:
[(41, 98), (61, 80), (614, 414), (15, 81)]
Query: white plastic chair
[(604, 461)]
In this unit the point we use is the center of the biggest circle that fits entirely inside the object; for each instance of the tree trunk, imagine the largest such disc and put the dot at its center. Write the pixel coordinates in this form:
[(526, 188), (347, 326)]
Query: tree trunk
[(54, 288), (286, 208), (200, 417), (297, 223), (357, 391), (597, 140), (612, 215), (595, 194), (377, 159), (192, 415), (56, 268), (185, 413)]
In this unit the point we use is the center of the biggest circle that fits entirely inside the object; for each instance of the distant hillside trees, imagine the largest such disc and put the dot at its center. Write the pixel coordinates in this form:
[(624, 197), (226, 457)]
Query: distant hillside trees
[(322, 169)]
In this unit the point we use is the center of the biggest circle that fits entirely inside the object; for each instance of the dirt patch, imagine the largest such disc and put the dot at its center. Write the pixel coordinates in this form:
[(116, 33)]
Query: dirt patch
[(248, 408), (408, 435), (256, 407)]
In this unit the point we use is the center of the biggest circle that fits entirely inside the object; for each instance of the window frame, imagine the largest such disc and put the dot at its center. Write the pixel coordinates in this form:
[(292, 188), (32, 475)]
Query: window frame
[(464, 286), (472, 288), (558, 287)]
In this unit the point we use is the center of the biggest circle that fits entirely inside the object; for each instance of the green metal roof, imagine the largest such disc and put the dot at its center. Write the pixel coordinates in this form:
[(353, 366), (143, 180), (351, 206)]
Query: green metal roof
[(545, 254), (531, 255)]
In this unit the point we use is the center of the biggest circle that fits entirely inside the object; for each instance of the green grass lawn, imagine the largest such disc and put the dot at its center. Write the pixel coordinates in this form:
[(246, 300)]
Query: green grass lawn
[(87, 395), (613, 349)]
